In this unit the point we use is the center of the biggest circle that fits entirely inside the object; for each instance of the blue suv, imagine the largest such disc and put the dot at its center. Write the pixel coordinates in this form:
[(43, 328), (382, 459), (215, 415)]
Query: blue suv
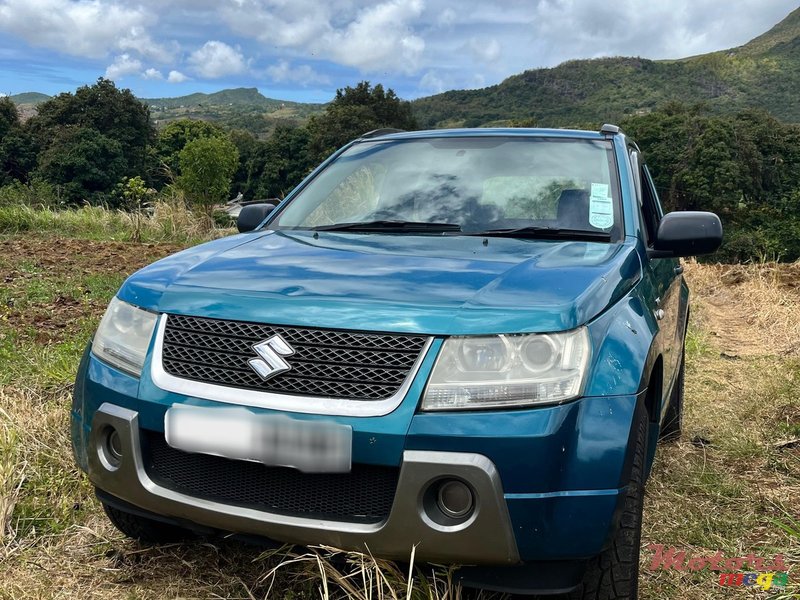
[(468, 341)]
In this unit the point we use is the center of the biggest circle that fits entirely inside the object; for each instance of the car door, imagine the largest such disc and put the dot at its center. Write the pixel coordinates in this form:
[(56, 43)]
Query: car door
[(665, 275)]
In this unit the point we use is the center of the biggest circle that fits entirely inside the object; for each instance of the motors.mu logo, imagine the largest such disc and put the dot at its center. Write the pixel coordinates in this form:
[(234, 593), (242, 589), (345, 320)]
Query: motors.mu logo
[(764, 573)]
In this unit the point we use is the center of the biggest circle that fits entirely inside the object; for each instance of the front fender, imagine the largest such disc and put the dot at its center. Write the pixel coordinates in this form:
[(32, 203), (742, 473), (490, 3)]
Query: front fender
[(626, 346)]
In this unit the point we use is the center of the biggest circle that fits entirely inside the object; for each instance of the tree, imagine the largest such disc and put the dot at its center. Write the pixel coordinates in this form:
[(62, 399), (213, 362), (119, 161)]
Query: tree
[(207, 166), (745, 167), (249, 149), (353, 112), (172, 139), (84, 162), (284, 163), (17, 155), (113, 113), (9, 116), (17, 150)]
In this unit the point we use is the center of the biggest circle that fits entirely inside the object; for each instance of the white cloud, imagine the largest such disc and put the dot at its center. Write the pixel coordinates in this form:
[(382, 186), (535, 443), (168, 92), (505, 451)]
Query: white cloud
[(139, 41), (485, 51), (295, 24), (447, 17), (87, 28), (283, 71), (380, 38), (152, 73), (176, 77), (370, 36), (122, 66), (432, 82), (217, 59)]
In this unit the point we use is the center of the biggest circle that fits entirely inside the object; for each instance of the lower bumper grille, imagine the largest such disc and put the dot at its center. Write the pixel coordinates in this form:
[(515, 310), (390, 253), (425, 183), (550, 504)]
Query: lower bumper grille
[(364, 495)]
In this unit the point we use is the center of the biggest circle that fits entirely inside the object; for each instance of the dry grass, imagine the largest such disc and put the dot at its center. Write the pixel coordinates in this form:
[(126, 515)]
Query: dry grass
[(728, 485)]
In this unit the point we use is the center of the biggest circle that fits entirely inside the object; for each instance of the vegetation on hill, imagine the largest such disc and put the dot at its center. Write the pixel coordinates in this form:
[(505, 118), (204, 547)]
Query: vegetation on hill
[(764, 73), (240, 108), (29, 98)]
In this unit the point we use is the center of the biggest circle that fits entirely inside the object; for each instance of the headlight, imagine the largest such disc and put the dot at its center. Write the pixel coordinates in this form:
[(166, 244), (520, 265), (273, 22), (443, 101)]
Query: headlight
[(508, 370), (123, 336)]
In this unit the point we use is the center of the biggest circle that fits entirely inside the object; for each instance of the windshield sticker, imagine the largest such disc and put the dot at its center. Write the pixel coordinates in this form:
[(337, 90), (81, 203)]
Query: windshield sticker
[(601, 208)]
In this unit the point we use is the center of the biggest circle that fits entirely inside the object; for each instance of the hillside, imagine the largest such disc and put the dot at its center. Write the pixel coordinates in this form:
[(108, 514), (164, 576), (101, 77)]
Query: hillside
[(765, 73), (241, 108), (29, 98)]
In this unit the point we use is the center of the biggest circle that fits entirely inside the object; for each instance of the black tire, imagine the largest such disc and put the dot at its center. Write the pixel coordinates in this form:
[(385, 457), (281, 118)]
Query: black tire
[(673, 419), (147, 531), (614, 574)]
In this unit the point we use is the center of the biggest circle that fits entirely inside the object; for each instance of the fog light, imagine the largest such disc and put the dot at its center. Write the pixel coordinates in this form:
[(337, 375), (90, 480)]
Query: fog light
[(114, 444), (109, 448), (455, 499)]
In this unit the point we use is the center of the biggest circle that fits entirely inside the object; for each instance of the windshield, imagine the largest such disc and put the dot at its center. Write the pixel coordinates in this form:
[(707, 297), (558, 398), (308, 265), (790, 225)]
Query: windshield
[(461, 184)]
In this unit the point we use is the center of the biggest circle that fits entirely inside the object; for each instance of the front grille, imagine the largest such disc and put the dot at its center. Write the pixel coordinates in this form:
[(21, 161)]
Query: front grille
[(364, 495), (329, 363)]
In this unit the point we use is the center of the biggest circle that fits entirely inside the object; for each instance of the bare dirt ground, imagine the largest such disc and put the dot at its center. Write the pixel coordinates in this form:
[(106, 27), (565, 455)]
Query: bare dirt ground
[(732, 483), (27, 264)]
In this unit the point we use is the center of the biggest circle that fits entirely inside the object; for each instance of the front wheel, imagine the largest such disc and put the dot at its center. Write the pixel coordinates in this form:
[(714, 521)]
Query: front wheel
[(614, 574)]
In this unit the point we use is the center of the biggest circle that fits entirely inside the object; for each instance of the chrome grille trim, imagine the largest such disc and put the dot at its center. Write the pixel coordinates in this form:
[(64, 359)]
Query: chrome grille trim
[(307, 404)]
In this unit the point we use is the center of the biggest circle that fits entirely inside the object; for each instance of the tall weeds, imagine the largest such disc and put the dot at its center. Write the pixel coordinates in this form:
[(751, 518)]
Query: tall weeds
[(166, 221)]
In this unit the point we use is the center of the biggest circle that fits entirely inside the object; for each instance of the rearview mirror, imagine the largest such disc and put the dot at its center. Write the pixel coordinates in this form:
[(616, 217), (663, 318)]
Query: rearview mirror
[(252, 215), (687, 233)]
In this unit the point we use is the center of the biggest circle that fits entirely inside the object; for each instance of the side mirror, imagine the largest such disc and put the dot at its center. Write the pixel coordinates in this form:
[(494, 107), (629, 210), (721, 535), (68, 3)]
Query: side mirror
[(252, 215), (687, 233)]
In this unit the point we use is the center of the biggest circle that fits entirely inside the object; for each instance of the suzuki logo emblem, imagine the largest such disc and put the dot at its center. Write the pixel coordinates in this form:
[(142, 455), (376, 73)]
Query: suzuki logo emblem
[(271, 352)]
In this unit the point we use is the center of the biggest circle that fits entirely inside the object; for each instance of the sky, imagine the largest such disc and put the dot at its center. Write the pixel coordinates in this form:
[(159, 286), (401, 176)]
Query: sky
[(303, 50)]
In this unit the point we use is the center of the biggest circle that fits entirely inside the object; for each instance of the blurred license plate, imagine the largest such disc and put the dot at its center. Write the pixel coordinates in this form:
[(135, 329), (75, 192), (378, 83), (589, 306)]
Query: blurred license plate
[(275, 440)]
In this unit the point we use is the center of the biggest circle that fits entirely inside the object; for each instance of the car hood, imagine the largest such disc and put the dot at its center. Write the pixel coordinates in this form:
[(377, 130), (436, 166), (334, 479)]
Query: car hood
[(383, 282)]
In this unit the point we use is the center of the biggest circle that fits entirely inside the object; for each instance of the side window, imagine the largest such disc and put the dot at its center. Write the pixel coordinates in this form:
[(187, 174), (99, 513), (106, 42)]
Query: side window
[(651, 207), (652, 186)]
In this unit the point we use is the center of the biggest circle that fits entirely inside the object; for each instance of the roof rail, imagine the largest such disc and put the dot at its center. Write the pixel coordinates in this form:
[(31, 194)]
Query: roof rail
[(381, 131), (610, 129)]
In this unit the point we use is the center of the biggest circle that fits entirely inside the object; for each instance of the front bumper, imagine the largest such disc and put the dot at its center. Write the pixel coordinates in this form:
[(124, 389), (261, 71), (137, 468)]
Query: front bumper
[(485, 538), (550, 478)]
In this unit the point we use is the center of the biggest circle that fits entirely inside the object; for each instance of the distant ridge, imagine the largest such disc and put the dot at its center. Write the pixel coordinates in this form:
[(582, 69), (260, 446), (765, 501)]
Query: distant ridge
[(764, 73), (245, 97), (29, 98)]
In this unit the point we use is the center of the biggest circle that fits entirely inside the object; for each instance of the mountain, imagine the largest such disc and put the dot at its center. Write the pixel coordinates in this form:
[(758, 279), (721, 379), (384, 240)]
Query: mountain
[(239, 108), (247, 97), (763, 73), (29, 98)]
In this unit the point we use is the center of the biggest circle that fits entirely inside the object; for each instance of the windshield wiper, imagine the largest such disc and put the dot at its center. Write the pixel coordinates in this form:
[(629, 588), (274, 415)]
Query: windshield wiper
[(547, 233), (392, 226)]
